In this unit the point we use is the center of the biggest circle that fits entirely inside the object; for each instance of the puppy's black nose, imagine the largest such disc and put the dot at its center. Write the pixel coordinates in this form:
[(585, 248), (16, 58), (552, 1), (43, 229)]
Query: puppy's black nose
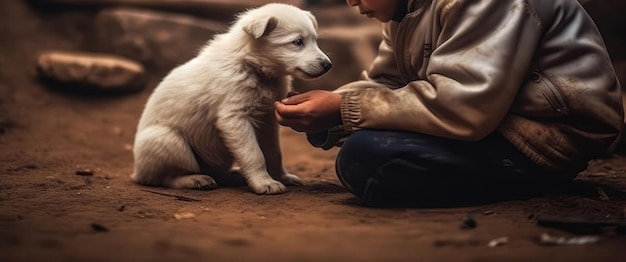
[(327, 65)]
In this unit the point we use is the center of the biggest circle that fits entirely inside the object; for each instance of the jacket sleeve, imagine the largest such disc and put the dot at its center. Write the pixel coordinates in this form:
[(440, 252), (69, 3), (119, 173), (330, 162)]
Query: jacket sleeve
[(480, 59)]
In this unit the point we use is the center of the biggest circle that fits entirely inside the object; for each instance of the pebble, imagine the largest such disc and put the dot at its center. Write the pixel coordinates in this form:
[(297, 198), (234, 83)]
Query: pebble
[(469, 222), (84, 172), (186, 215), (498, 242)]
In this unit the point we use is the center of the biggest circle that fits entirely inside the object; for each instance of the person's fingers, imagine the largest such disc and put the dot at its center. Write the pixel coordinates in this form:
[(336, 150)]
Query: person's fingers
[(295, 99), (279, 118), (280, 109), (288, 111)]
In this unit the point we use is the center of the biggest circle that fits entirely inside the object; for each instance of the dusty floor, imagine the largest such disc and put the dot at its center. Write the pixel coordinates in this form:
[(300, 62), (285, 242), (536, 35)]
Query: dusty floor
[(49, 213)]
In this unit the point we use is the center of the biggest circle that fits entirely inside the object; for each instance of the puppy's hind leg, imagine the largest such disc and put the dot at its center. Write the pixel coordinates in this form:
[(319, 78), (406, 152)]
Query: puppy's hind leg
[(198, 181), (164, 158)]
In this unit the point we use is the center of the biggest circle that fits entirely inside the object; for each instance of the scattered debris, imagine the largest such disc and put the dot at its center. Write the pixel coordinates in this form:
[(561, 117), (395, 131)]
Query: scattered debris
[(469, 222), (498, 242), (99, 228), (186, 215), (84, 172), (180, 198), (580, 225), (547, 239), (603, 196)]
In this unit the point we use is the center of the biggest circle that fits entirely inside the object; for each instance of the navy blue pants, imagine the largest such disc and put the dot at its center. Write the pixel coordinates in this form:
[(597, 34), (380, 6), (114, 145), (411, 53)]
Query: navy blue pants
[(391, 166)]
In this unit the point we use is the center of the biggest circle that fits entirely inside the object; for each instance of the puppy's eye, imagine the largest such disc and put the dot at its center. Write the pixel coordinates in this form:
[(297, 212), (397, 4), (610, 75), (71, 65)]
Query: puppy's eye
[(298, 42)]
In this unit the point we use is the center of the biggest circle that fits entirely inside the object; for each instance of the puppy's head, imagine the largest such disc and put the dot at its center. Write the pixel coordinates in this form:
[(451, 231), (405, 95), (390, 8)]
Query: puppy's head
[(284, 37)]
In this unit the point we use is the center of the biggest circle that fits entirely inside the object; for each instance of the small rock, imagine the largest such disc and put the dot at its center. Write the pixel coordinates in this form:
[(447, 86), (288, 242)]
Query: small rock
[(99, 228), (94, 71), (469, 222), (180, 216), (488, 212), (84, 172), (498, 242)]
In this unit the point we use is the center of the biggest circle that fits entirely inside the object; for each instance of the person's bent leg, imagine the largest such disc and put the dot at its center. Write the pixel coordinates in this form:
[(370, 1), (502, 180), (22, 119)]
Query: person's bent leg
[(392, 166)]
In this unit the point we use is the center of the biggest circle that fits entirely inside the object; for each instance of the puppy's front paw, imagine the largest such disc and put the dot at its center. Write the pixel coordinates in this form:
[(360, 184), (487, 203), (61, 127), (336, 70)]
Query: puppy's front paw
[(268, 187), (290, 180)]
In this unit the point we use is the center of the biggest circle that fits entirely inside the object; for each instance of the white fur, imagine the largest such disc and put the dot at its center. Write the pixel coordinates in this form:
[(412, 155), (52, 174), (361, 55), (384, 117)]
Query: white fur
[(217, 108)]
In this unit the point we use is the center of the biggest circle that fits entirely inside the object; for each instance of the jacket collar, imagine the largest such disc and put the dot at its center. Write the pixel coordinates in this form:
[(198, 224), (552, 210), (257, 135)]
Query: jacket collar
[(408, 6), (402, 10), (414, 5)]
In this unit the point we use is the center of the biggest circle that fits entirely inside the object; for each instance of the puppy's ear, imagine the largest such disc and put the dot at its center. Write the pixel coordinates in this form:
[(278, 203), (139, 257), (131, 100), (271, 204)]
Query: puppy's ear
[(260, 27), (312, 17)]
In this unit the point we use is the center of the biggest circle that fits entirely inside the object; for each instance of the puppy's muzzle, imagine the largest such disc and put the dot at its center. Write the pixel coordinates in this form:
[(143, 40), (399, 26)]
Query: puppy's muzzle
[(326, 65), (316, 68)]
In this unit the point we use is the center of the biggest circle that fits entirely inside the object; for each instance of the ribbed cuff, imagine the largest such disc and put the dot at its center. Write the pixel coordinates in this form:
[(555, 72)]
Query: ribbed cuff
[(329, 138), (350, 110)]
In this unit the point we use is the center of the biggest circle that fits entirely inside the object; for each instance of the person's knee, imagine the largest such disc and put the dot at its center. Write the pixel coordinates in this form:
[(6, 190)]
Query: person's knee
[(357, 161), (380, 166)]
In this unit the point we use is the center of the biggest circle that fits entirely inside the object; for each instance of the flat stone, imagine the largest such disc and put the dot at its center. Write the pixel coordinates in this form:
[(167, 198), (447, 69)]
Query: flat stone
[(91, 70)]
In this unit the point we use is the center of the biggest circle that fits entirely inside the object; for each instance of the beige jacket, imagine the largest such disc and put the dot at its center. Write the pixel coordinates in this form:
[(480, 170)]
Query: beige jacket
[(537, 71)]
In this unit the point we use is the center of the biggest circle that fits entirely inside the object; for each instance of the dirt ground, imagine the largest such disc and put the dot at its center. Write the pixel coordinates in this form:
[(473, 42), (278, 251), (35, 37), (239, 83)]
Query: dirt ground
[(50, 213)]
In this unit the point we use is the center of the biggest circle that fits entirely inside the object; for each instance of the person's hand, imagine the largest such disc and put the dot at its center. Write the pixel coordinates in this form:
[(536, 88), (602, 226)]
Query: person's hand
[(310, 112)]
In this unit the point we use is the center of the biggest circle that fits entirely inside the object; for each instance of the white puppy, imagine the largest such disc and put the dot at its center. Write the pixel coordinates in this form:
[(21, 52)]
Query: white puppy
[(215, 113)]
